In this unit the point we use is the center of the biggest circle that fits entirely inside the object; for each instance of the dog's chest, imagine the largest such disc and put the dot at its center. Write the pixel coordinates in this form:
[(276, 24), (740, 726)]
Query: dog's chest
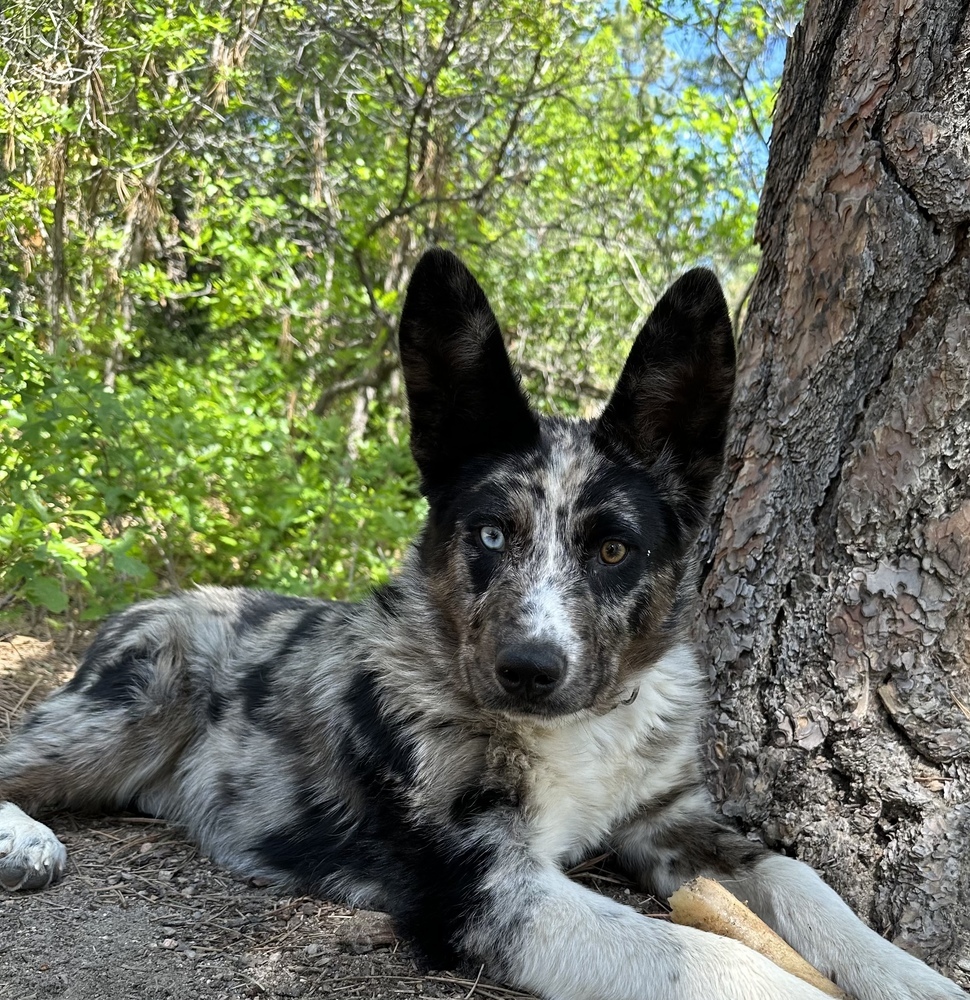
[(587, 777)]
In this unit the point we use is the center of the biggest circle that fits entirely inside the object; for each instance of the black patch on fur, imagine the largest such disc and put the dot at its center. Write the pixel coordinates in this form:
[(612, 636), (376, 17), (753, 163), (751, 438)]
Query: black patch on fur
[(670, 796), (623, 500), (638, 613), (119, 681), (477, 499), (476, 800), (480, 497), (216, 706), (381, 755), (259, 606), (481, 570), (110, 677), (675, 616), (709, 847), (485, 502), (227, 793), (444, 893), (390, 599), (235, 790), (430, 877), (35, 718), (316, 843), (256, 687)]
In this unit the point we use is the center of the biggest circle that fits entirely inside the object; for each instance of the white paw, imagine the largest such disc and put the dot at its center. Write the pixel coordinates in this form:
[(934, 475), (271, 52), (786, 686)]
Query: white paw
[(892, 974), (30, 855)]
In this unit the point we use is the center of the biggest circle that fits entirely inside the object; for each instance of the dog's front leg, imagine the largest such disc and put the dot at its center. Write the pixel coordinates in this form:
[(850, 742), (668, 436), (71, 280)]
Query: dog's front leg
[(686, 839), (541, 932), (791, 897)]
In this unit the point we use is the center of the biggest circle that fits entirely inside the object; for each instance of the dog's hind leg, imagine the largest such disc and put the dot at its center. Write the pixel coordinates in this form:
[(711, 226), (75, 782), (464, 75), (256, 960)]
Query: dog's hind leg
[(69, 752), (115, 729), (73, 753)]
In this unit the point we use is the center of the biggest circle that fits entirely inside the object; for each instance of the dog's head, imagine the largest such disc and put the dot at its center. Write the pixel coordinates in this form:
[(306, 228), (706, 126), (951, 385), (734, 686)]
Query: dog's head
[(555, 549)]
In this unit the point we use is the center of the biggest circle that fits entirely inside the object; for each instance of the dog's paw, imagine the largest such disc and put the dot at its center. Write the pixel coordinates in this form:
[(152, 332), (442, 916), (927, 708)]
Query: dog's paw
[(31, 857), (899, 976)]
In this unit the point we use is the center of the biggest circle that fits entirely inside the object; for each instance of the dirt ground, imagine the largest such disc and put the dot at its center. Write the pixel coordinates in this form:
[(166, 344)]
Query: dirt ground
[(141, 914)]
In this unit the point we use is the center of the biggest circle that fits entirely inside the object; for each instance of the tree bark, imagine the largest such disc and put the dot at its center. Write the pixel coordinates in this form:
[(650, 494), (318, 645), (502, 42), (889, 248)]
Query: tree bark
[(839, 586)]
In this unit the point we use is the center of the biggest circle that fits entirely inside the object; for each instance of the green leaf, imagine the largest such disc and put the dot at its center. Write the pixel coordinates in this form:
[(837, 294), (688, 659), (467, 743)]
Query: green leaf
[(47, 592)]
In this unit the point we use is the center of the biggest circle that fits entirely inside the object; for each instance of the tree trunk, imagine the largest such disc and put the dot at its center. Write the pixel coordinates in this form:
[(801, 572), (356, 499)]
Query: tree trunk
[(837, 599)]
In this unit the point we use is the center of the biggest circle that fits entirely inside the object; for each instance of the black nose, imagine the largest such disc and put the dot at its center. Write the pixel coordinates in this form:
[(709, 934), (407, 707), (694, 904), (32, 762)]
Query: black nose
[(530, 669)]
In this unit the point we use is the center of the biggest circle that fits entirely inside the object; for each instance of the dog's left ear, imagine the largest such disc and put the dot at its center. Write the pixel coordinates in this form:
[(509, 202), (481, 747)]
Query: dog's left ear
[(672, 400), (464, 398)]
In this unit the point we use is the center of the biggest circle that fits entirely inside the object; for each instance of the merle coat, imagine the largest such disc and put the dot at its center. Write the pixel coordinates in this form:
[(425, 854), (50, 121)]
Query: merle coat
[(521, 695)]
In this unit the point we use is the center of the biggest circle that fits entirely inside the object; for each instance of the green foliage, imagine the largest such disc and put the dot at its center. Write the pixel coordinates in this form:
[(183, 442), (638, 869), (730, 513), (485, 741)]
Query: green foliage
[(189, 474), (207, 221)]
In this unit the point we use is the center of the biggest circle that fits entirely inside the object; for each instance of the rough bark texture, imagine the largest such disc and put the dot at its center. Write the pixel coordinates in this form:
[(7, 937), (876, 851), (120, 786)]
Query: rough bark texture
[(837, 600)]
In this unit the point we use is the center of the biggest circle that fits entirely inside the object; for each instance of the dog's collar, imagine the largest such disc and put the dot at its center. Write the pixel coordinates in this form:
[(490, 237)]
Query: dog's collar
[(631, 699)]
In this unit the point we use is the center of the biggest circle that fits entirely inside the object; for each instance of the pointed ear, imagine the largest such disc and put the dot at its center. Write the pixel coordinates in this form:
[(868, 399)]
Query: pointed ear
[(464, 399), (672, 400)]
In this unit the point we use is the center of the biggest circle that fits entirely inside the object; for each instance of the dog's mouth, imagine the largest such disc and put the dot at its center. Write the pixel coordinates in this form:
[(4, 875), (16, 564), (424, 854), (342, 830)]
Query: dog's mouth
[(537, 710)]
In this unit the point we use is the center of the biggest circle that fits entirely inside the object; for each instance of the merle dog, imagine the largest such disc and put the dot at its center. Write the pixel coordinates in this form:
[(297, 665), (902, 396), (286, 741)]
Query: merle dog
[(521, 695)]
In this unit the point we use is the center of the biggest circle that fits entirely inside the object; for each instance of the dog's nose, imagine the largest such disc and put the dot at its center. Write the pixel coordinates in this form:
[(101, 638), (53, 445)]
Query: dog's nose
[(530, 669)]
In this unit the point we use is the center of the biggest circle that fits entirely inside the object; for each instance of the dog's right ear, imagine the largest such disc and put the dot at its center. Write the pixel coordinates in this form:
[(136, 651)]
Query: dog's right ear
[(464, 398)]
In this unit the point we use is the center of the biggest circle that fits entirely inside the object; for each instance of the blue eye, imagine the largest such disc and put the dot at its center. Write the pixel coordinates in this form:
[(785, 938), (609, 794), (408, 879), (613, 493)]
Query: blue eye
[(492, 538)]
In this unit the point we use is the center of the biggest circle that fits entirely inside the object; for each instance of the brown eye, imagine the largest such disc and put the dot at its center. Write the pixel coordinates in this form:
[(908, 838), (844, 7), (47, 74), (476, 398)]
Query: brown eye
[(612, 552)]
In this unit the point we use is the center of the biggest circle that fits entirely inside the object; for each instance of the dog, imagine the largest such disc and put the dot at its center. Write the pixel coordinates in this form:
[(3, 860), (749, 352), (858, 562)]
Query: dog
[(522, 694)]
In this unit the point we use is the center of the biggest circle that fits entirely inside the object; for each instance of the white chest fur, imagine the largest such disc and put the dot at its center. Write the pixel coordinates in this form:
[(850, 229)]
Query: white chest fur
[(589, 774)]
